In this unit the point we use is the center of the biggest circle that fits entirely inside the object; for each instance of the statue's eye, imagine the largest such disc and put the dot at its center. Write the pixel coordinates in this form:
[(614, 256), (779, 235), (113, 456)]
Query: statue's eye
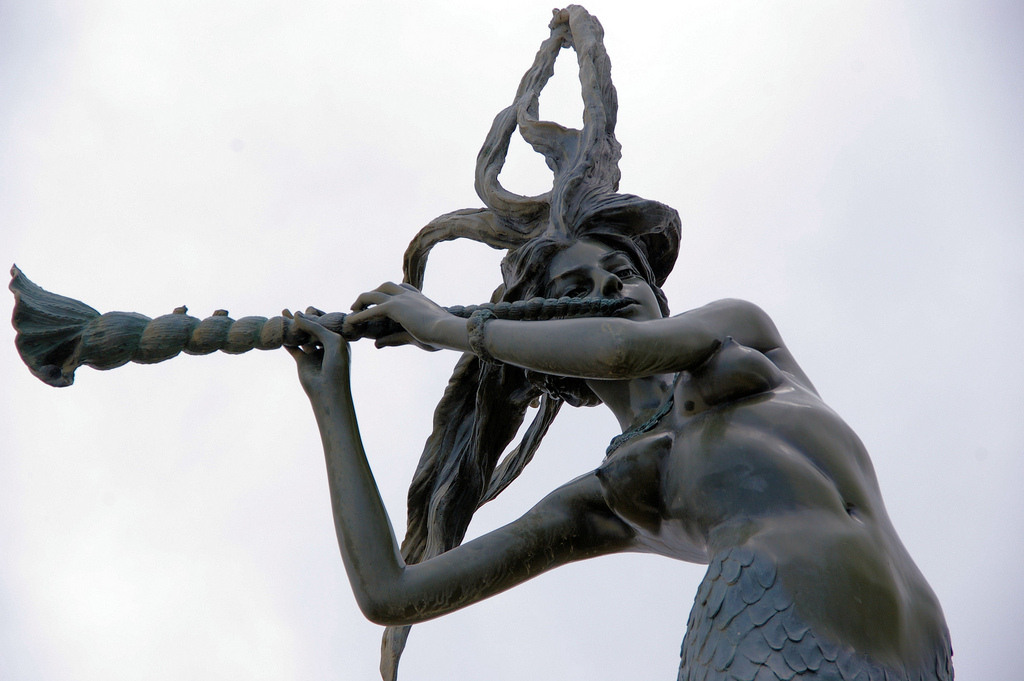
[(626, 272), (577, 292)]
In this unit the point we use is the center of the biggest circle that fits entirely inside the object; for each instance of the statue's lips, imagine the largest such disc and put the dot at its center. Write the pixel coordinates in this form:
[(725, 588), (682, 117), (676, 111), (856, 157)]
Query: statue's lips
[(629, 310)]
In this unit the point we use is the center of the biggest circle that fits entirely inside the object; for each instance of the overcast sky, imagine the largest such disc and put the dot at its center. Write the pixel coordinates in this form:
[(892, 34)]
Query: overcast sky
[(855, 168)]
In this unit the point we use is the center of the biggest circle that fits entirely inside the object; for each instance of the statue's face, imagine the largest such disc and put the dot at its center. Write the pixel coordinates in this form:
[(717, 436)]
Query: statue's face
[(590, 269)]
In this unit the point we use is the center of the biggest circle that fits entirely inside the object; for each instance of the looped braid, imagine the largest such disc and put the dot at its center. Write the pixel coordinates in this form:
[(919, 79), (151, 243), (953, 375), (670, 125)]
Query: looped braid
[(584, 162), (485, 403)]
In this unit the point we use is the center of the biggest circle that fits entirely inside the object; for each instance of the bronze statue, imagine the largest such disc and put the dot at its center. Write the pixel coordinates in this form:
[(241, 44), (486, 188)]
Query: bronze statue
[(727, 456)]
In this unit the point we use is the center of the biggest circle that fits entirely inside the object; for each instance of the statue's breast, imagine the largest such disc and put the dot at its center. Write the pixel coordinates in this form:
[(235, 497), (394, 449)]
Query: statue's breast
[(733, 373), (631, 480)]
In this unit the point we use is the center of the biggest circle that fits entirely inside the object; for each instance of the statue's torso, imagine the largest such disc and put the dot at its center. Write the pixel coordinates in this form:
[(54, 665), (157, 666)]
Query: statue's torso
[(750, 458)]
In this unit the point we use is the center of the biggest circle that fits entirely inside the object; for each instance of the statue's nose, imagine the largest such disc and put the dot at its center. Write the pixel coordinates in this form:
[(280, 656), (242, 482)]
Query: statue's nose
[(610, 286)]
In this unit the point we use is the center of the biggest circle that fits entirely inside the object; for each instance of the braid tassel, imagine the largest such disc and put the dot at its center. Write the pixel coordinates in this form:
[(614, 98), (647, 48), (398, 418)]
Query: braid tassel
[(57, 334)]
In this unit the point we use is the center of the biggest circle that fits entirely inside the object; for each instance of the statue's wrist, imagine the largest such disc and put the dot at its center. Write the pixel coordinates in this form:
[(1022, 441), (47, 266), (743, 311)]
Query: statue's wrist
[(476, 329)]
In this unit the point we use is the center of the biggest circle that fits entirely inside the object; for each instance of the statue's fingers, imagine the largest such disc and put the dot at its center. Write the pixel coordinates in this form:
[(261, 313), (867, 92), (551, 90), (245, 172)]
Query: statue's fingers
[(304, 354), (309, 361), (393, 340), (367, 315), (369, 299), (391, 288), (402, 338), (324, 337)]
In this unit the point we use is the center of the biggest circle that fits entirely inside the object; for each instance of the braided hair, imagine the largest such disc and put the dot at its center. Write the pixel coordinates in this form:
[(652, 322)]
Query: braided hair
[(485, 402)]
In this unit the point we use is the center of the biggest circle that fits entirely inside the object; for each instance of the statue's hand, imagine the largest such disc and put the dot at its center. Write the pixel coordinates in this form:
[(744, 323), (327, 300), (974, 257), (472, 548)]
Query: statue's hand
[(324, 365), (404, 304)]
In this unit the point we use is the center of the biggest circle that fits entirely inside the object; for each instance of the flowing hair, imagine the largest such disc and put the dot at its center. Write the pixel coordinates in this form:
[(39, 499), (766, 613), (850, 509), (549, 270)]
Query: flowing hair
[(485, 403)]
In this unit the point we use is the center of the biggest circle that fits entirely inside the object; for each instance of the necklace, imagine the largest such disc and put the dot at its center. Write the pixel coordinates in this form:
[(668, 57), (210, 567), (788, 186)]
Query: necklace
[(644, 427)]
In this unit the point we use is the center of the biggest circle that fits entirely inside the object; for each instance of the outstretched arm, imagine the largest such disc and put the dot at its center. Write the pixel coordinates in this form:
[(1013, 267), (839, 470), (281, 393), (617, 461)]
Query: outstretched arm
[(570, 524), (594, 348), (614, 348)]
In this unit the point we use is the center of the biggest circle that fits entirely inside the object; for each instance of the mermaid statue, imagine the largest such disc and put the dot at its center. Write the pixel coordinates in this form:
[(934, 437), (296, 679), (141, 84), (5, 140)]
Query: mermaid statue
[(728, 456)]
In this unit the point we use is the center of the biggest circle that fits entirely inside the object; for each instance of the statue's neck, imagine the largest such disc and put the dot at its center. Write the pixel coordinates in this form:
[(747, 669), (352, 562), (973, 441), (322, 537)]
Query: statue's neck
[(634, 400)]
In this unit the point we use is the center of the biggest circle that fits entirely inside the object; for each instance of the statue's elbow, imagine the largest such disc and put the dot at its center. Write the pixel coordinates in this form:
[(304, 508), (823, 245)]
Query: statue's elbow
[(381, 610), (391, 605), (380, 617), (743, 314)]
